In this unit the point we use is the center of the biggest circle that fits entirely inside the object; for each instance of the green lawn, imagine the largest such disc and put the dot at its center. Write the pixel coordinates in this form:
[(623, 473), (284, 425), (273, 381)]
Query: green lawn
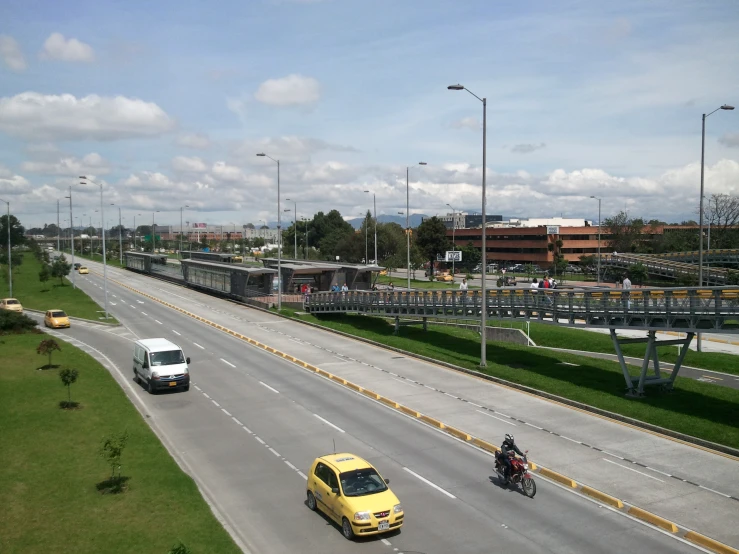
[(113, 260), (50, 466), (698, 409), (35, 295)]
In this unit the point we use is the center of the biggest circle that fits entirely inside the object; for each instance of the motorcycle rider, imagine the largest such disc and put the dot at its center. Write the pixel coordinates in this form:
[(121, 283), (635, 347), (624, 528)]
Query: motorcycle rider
[(507, 449)]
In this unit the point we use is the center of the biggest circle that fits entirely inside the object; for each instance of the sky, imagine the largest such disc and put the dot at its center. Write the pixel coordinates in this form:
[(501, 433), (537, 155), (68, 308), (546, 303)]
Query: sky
[(166, 104)]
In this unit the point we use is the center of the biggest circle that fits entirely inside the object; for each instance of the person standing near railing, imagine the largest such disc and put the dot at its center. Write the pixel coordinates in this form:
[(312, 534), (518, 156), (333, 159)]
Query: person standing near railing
[(627, 287)]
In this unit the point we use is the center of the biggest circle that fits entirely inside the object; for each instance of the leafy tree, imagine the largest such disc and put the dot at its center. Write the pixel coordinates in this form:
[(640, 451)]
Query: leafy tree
[(625, 232), (46, 347), (45, 274), (111, 451), (638, 273), (15, 257), (68, 377), (732, 278), (723, 214), (588, 261), (471, 256), (432, 240), (17, 233), (60, 268)]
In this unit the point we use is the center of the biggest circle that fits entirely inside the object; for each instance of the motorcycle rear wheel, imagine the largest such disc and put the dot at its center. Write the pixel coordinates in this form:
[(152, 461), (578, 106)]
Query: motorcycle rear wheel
[(529, 487)]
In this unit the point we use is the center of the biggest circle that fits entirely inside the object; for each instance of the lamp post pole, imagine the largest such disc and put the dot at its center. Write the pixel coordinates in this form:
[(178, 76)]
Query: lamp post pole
[(279, 234), (483, 288), (10, 261), (700, 251), (295, 224), (374, 204), (102, 228), (408, 223), (454, 241), (306, 239), (598, 270), (58, 248), (71, 232), (120, 235), (181, 210)]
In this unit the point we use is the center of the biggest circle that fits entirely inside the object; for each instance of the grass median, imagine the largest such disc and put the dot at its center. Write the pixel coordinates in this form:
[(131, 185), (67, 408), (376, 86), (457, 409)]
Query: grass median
[(694, 408), (35, 295), (50, 466)]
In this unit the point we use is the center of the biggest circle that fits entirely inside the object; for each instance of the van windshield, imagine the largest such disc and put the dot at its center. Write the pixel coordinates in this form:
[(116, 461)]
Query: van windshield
[(168, 357)]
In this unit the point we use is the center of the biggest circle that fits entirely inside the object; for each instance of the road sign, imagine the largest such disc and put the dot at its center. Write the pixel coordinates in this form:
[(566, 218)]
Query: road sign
[(552, 229), (453, 256)]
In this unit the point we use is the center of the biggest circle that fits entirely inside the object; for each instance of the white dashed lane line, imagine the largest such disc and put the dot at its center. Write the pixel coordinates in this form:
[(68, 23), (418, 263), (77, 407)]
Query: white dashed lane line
[(176, 333), (159, 322), (429, 483), (327, 422), (227, 362), (147, 315), (201, 347), (270, 388), (632, 469), (494, 417)]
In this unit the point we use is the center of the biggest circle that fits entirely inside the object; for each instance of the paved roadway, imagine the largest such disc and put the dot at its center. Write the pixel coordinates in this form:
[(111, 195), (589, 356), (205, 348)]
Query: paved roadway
[(257, 486)]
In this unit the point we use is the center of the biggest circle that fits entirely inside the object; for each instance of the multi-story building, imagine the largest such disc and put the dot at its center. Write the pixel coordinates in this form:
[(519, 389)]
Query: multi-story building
[(215, 232)]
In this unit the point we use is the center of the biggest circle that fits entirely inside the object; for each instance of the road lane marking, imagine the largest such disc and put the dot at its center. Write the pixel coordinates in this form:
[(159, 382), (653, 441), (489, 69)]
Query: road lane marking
[(385, 542), (429, 483), (226, 412), (216, 403), (632, 469), (569, 439), (290, 465), (260, 440), (237, 421), (206, 395), (499, 419), (198, 388), (274, 452), (147, 315), (614, 455), (270, 388), (245, 428), (534, 426), (176, 333), (227, 362), (159, 322), (403, 381), (711, 490), (201, 347), (303, 475), (327, 422)]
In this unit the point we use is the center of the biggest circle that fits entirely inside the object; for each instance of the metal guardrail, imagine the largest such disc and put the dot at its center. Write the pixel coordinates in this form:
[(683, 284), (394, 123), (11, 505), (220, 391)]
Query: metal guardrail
[(687, 309), (665, 268), (729, 256)]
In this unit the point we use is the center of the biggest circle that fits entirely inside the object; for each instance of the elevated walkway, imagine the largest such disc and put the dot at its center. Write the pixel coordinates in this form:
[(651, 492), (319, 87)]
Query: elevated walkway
[(685, 310), (664, 267), (724, 256)]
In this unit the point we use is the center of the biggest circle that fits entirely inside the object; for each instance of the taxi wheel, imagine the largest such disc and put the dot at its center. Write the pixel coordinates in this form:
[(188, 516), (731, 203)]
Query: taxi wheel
[(311, 501), (346, 529)]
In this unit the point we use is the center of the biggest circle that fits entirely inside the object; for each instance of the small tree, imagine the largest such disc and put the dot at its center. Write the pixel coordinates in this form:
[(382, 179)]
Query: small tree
[(111, 451), (639, 273), (46, 347), (68, 376), (45, 274), (60, 268)]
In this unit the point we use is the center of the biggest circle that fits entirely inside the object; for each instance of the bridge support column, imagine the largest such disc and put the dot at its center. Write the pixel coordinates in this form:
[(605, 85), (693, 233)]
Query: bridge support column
[(635, 385)]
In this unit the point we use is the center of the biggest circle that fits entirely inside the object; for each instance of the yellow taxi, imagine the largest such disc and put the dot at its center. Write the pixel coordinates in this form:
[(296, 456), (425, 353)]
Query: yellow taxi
[(56, 319), (350, 491), (11, 304), (447, 277), (83, 270)]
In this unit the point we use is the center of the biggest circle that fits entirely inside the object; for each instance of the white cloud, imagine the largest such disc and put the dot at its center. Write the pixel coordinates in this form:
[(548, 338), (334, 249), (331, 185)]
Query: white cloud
[(57, 47), (196, 141), (527, 148), (467, 123), (35, 116), (292, 148), (292, 90), (224, 172), (92, 164), (185, 164), (11, 54), (12, 184), (238, 106), (730, 139), (5, 172)]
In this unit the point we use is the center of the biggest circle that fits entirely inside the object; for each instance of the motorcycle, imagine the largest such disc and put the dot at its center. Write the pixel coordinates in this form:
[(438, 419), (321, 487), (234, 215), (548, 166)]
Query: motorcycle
[(519, 474)]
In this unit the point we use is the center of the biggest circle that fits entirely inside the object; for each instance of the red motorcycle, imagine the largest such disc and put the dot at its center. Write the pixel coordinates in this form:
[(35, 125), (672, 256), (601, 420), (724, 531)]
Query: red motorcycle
[(519, 473)]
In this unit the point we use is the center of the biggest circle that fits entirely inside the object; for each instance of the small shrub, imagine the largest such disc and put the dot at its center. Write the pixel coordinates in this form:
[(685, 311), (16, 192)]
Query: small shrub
[(15, 323), (47, 347), (180, 548), (111, 451), (68, 376)]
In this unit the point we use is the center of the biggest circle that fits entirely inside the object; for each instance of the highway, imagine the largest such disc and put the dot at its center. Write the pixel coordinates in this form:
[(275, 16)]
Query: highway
[(254, 422)]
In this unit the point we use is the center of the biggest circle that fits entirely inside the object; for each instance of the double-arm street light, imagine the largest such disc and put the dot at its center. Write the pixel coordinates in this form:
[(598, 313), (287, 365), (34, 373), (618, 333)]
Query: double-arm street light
[(83, 180), (120, 234), (279, 234), (408, 223), (454, 242), (483, 291), (10, 262), (188, 241), (598, 199), (700, 251), (374, 203), (295, 223), (135, 231)]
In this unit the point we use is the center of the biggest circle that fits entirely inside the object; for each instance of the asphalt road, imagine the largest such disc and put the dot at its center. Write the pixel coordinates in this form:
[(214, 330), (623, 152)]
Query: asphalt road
[(254, 423)]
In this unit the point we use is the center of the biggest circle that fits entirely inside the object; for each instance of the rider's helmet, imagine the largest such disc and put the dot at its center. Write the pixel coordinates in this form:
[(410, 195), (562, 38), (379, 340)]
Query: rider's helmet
[(509, 439)]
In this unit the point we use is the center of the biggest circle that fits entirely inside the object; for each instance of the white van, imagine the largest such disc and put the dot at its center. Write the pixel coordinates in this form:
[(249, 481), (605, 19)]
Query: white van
[(160, 364)]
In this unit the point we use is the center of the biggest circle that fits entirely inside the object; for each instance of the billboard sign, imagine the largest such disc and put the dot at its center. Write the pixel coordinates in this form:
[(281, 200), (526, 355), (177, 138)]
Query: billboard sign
[(552, 229), (453, 256)]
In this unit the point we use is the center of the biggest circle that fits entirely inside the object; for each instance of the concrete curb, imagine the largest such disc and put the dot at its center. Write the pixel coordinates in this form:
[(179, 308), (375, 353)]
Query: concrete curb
[(579, 488)]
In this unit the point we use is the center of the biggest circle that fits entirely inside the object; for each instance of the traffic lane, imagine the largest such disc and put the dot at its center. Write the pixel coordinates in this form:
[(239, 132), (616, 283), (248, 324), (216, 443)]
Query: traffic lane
[(262, 500), (274, 391), (398, 451)]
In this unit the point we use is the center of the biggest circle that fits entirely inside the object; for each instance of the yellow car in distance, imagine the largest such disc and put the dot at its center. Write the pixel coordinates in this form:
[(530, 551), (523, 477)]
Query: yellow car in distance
[(83, 270), (350, 491), (447, 277), (11, 304), (56, 319)]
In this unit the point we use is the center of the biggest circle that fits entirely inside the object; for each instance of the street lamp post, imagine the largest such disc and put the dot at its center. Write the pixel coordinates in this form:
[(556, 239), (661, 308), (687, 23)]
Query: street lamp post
[(279, 234), (700, 252), (374, 204), (366, 237), (454, 242), (598, 199), (10, 261), (153, 234), (483, 291), (120, 235), (71, 232), (408, 223), (306, 238), (102, 228), (58, 248), (181, 209), (295, 223)]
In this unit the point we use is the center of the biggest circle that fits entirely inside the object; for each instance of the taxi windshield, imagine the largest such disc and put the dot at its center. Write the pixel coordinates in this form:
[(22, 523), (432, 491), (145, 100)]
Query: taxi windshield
[(58, 314), (361, 482), (12, 301), (168, 357)]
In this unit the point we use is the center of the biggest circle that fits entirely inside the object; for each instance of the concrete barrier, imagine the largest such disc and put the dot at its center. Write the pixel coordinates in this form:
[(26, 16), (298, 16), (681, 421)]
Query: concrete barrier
[(431, 421), (653, 519), (353, 386), (408, 411), (457, 433), (603, 497), (372, 394), (485, 445), (716, 546), (554, 476), (388, 402)]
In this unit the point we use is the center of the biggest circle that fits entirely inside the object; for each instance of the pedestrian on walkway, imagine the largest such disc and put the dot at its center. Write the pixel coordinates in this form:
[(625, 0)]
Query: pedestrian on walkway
[(626, 293)]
